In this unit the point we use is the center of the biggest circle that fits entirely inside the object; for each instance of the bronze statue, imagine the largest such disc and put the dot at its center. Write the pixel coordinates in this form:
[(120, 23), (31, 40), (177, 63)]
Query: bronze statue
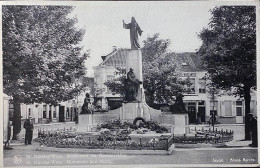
[(134, 31), (85, 109), (131, 86)]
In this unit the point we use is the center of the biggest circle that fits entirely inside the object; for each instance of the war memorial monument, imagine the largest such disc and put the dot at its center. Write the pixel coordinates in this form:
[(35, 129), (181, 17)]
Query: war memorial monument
[(134, 105)]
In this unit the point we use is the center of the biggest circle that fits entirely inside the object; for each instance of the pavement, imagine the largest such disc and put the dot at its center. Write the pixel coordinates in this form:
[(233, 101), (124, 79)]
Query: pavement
[(233, 152), (27, 156)]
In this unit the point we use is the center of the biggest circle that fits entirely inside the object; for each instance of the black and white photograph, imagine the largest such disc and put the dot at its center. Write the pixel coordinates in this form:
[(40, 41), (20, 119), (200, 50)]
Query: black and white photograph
[(129, 83)]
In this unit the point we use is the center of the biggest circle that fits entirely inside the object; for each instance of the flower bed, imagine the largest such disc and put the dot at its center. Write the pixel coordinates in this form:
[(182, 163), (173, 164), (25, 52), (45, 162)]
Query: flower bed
[(149, 125), (61, 140), (205, 136)]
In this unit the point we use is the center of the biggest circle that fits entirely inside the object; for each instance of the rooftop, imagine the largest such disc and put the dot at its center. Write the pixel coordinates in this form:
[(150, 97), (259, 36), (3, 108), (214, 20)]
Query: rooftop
[(186, 62)]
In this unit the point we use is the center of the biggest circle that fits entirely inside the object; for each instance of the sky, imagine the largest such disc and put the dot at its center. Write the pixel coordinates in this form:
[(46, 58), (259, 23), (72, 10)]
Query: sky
[(178, 21)]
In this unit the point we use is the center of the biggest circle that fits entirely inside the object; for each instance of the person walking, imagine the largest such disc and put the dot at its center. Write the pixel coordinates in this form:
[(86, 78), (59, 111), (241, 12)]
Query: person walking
[(7, 143), (253, 129), (28, 125)]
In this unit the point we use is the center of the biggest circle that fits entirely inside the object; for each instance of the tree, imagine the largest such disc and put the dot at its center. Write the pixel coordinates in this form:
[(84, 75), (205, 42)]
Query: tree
[(229, 51), (161, 83), (42, 58), (117, 85)]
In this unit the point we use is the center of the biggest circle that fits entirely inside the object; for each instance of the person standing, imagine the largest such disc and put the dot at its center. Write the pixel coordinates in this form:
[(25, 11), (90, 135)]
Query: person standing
[(7, 143), (253, 129), (28, 125)]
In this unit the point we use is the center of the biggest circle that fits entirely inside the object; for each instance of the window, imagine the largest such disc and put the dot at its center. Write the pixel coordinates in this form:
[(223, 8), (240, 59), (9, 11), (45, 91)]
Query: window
[(44, 111), (228, 108), (192, 86), (189, 88), (68, 112), (202, 86), (239, 108), (239, 111), (239, 103), (54, 112), (29, 111), (201, 103), (11, 111), (191, 104), (49, 111)]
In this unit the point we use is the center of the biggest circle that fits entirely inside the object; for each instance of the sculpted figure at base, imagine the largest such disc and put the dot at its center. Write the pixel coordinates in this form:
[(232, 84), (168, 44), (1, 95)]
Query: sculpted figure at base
[(85, 109), (131, 86), (134, 31)]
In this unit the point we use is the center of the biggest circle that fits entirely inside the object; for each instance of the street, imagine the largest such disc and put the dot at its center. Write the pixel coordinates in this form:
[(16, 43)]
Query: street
[(22, 155), (238, 152)]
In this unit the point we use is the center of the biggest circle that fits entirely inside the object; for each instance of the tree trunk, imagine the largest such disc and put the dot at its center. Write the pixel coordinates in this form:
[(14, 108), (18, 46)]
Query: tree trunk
[(16, 118), (247, 98)]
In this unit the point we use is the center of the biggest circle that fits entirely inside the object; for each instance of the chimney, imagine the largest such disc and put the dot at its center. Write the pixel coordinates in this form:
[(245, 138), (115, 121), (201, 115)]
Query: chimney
[(114, 48)]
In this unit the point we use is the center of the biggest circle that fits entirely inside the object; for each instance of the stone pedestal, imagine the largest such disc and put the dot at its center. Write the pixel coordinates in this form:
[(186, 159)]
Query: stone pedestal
[(131, 110), (85, 123), (180, 124)]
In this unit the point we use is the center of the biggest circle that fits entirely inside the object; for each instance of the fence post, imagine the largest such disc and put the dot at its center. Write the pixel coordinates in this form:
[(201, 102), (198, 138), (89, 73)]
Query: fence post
[(153, 145), (206, 138), (167, 144), (140, 143), (114, 143), (89, 142), (102, 142), (215, 138), (195, 138)]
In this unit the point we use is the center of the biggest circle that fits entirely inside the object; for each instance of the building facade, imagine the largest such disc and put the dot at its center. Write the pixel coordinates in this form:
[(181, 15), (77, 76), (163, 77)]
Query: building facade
[(198, 102), (45, 113)]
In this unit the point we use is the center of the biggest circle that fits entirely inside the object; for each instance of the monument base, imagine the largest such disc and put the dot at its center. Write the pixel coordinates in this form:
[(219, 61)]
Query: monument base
[(85, 123), (129, 111), (180, 124)]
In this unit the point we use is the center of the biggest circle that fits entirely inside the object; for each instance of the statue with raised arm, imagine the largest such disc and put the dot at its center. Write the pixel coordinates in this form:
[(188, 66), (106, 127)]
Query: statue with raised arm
[(134, 31), (131, 86)]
